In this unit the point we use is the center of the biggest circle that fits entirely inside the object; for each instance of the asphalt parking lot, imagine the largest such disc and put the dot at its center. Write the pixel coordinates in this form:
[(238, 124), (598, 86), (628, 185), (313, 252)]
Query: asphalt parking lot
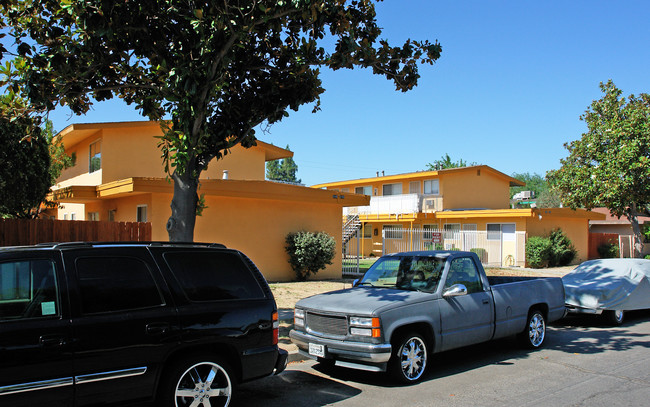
[(583, 363)]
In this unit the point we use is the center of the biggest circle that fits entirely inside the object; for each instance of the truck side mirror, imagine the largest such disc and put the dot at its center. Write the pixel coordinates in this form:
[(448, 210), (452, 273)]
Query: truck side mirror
[(455, 290)]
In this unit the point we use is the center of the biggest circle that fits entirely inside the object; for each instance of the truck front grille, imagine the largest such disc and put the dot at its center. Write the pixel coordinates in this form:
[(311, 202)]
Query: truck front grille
[(327, 324)]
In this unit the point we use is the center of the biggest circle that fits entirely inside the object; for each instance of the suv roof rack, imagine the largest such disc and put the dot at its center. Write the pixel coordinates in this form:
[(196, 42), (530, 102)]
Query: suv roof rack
[(63, 245)]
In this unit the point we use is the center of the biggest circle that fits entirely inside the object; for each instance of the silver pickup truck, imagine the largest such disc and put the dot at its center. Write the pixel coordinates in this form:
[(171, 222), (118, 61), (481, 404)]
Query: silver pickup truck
[(410, 305)]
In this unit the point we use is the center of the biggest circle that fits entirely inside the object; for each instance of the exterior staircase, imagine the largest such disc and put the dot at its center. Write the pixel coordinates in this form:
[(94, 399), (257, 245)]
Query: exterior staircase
[(350, 227)]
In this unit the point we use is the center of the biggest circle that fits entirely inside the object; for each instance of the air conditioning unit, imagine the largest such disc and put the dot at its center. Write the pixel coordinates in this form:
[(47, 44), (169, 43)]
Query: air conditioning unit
[(429, 205)]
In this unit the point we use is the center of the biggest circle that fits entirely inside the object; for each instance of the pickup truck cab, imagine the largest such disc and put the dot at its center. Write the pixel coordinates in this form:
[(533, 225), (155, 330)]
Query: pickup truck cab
[(410, 305)]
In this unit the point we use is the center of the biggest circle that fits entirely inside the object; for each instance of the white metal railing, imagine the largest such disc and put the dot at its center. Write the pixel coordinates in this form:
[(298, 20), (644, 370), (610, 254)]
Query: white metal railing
[(496, 249), (398, 204)]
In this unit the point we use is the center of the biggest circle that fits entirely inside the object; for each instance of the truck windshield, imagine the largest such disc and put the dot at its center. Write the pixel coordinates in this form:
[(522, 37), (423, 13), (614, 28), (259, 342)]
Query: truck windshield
[(405, 273)]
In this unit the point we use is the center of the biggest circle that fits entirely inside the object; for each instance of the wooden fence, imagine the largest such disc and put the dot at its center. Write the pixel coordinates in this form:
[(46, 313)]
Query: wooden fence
[(19, 232), (596, 239)]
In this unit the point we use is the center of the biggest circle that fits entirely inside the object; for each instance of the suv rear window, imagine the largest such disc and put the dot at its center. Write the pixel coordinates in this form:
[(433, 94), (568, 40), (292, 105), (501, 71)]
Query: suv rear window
[(213, 276)]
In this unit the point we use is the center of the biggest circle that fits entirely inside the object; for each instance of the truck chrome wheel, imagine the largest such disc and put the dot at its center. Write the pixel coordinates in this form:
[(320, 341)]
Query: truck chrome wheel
[(536, 329), (410, 360), (204, 384), (532, 337)]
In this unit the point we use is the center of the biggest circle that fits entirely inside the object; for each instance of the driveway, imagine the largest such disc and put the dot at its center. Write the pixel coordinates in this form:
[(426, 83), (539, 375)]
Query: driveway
[(583, 363)]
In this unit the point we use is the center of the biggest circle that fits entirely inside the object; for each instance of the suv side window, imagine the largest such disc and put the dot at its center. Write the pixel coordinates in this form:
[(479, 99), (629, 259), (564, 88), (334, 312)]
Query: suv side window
[(28, 289), (109, 284), (213, 275), (463, 271)]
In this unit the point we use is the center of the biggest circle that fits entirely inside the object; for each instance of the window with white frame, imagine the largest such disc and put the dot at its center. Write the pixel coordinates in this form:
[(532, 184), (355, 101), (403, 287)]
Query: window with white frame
[(432, 187), (414, 187), (142, 213), (93, 216), (392, 231), (365, 190), (392, 189), (95, 160), (73, 216)]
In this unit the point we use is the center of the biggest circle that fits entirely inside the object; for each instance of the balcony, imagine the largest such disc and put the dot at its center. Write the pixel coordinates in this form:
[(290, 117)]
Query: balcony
[(398, 205)]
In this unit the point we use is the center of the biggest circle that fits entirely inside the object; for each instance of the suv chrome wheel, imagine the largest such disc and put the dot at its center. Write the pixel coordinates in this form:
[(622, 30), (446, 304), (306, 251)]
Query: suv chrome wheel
[(204, 384)]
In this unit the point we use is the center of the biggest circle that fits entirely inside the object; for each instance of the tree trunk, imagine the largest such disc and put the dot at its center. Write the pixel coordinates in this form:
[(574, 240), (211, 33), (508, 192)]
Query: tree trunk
[(636, 229), (180, 225)]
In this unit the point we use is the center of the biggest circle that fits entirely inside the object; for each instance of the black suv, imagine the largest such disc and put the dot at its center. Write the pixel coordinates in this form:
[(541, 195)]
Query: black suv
[(106, 323)]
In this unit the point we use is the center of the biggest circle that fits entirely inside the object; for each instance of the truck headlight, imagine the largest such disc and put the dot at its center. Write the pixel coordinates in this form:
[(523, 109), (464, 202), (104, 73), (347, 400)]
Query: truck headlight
[(299, 318), (364, 326)]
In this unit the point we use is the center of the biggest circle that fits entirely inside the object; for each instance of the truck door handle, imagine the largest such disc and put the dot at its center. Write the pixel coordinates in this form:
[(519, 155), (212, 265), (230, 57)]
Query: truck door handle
[(486, 302), (158, 329)]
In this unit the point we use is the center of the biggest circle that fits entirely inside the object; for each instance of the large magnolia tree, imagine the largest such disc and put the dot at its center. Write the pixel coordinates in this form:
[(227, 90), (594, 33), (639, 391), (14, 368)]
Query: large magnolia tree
[(610, 165), (217, 69)]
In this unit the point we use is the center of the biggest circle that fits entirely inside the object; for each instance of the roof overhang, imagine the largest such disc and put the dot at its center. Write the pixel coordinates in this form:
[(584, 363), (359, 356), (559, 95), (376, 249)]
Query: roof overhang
[(263, 190), (513, 182), (521, 213)]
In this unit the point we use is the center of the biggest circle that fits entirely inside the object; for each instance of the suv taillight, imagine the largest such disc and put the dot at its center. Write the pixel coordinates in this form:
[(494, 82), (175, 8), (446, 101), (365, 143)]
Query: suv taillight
[(276, 328)]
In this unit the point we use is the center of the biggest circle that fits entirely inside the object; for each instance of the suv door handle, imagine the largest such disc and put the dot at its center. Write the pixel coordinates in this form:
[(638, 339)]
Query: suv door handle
[(50, 341), (486, 302), (158, 328)]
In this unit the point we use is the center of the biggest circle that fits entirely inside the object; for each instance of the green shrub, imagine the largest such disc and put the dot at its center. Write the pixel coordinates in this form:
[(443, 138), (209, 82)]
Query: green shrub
[(608, 251), (562, 250), (647, 256), (309, 252), (538, 251), (481, 253)]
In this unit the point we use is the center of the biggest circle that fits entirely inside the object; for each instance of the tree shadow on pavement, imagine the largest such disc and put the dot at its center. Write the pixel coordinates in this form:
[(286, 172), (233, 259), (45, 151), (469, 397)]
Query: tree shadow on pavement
[(304, 389), (590, 334)]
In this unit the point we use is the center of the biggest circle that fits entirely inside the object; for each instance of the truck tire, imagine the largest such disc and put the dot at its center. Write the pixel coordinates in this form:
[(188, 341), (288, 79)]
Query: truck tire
[(533, 335), (409, 359), (205, 380), (614, 317)]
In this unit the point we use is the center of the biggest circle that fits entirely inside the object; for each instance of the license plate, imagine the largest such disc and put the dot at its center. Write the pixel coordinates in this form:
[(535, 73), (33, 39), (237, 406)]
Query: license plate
[(317, 350)]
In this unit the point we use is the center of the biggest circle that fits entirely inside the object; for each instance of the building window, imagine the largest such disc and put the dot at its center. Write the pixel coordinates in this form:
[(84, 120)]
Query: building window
[(142, 213), (73, 216), (392, 231), (498, 231), (451, 230), (111, 215), (432, 187), (392, 189), (65, 216), (94, 216), (428, 231), (95, 162), (367, 231), (367, 190), (414, 187)]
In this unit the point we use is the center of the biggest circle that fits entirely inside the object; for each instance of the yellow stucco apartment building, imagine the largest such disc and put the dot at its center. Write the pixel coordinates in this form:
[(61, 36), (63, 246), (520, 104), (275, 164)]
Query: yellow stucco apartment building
[(460, 208), (118, 176)]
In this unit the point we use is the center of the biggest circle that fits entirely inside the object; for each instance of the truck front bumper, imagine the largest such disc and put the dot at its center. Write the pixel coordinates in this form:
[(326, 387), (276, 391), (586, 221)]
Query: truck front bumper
[(365, 353)]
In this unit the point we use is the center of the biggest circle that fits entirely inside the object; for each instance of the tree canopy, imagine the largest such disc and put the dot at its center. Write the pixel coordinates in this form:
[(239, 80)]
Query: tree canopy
[(25, 177), (610, 164), (217, 69), (446, 162), (283, 170)]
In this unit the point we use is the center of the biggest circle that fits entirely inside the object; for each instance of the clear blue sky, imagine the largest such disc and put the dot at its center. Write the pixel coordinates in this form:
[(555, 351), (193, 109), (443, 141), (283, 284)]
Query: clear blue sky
[(513, 79)]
